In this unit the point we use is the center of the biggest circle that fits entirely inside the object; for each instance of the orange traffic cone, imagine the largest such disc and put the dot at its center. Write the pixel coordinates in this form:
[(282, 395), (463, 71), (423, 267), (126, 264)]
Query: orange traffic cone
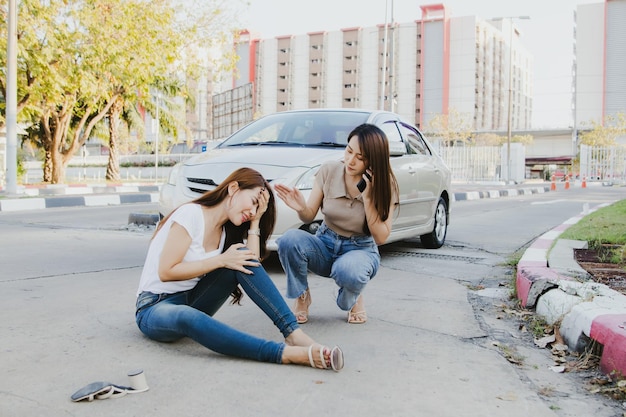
[(584, 183), (567, 182), (553, 183)]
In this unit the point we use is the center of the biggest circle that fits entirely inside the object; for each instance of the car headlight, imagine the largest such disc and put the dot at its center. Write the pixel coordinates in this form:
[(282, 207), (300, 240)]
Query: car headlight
[(306, 181), (171, 179)]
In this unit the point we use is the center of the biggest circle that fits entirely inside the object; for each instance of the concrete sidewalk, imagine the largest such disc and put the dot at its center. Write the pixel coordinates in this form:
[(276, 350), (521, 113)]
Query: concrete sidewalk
[(422, 352)]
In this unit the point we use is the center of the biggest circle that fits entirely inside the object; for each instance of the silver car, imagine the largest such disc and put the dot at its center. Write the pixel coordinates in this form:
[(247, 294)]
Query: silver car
[(289, 147)]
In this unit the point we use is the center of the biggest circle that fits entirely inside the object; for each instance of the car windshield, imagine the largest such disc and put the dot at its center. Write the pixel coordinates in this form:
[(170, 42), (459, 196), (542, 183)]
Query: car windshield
[(322, 128)]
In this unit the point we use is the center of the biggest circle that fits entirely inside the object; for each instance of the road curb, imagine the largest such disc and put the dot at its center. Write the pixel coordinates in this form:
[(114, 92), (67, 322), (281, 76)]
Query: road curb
[(585, 310), (38, 203), (145, 219), (498, 193)]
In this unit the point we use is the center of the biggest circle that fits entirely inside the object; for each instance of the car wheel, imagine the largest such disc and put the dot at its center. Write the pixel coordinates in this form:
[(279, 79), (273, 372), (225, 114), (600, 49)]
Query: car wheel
[(311, 227), (435, 239)]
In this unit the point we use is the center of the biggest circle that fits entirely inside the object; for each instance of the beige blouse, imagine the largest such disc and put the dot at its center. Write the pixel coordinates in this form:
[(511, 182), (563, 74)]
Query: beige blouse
[(342, 214)]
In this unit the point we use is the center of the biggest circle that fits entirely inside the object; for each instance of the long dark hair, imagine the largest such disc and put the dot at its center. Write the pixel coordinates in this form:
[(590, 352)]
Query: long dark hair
[(246, 178), (375, 150)]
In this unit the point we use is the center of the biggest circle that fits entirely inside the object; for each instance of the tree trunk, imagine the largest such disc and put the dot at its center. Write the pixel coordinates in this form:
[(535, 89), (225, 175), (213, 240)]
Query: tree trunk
[(58, 131), (58, 168), (47, 166), (113, 167)]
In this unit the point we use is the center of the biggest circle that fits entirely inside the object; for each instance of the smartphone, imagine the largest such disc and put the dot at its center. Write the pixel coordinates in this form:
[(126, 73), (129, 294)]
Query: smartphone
[(362, 184)]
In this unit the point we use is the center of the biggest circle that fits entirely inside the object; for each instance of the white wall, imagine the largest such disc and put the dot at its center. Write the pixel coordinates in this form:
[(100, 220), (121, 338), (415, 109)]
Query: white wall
[(368, 69), (405, 67), (463, 65), (300, 72), (269, 73), (432, 66), (589, 62), (333, 70)]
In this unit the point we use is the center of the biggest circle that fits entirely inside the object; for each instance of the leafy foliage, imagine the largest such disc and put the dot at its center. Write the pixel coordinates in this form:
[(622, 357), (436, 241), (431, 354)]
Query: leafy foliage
[(606, 132), (85, 62)]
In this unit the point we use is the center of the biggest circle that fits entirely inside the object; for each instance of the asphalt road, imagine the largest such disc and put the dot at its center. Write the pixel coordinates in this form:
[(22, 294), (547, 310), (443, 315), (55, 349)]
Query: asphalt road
[(436, 342)]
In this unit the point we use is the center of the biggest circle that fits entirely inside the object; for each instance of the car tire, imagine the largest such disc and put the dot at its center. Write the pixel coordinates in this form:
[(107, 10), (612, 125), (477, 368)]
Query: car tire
[(437, 237)]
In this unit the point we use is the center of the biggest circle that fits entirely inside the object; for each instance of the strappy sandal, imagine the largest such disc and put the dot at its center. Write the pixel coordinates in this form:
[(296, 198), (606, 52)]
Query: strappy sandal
[(101, 390), (360, 316), (336, 358), (357, 317), (302, 316)]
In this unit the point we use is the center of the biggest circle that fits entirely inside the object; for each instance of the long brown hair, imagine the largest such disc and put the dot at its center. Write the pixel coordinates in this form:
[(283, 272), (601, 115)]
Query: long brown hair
[(375, 150), (246, 178)]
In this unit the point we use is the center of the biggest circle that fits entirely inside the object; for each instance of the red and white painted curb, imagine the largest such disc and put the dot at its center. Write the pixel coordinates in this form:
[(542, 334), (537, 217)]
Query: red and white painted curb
[(586, 310)]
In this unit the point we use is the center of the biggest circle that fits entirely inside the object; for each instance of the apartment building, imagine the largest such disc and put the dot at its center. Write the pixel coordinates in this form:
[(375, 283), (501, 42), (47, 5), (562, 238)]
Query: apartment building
[(420, 69), (600, 61)]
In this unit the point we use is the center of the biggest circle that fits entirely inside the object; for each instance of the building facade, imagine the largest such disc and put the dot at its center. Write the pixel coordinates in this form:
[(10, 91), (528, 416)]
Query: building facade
[(600, 61), (419, 69)]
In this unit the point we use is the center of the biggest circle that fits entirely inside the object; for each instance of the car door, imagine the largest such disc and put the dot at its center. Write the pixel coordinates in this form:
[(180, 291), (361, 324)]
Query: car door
[(424, 171), (403, 168)]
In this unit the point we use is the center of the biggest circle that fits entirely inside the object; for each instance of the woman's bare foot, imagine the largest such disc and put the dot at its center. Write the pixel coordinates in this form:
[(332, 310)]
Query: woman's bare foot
[(357, 314), (301, 307), (299, 355), (299, 338), (316, 356)]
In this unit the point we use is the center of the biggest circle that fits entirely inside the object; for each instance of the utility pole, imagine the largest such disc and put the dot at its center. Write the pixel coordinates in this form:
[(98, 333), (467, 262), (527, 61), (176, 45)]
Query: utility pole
[(156, 140), (11, 100), (392, 92), (384, 69), (509, 120)]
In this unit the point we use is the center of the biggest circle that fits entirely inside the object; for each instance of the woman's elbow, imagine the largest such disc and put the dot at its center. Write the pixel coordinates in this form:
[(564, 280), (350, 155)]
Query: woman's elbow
[(165, 275), (381, 238)]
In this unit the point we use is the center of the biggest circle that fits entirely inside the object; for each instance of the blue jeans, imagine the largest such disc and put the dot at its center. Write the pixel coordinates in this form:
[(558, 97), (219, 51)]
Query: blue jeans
[(350, 261), (170, 317)]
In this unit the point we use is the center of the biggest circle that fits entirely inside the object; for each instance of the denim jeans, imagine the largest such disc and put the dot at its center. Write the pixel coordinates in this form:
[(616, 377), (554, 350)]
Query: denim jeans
[(351, 262), (170, 317)]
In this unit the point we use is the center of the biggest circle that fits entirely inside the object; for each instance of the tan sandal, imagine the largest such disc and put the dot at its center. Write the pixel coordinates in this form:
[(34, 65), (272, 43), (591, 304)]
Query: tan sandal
[(357, 317), (302, 316)]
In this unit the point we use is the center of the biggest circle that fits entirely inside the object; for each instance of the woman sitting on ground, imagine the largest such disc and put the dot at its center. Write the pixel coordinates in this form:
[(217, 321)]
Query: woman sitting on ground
[(197, 258)]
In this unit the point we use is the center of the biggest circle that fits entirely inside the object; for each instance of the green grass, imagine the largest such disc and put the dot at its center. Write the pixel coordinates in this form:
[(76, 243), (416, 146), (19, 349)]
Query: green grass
[(605, 226)]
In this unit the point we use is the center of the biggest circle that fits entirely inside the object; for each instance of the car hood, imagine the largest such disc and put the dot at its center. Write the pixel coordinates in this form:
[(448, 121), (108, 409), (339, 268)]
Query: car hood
[(271, 161)]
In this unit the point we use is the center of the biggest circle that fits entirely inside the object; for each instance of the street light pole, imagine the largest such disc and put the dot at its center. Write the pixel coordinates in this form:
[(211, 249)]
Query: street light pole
[(384, 69), (510, 98), (156, 141), (510, 105), (11, 101)]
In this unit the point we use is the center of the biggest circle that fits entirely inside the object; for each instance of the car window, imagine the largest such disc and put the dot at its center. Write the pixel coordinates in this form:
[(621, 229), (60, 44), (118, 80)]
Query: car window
[(299, 128), (396, 145), (415, 141)]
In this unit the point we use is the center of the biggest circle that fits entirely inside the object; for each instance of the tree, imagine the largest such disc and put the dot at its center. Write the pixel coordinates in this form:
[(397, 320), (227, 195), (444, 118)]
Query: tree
[(450, 128), (491, 139), (135, 48), (605, 133), (83, 60), (164, 44), (37, 63)]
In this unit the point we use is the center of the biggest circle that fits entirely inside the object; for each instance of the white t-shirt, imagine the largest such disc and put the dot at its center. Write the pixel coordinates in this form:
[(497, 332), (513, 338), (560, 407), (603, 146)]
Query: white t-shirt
[(191, 218)]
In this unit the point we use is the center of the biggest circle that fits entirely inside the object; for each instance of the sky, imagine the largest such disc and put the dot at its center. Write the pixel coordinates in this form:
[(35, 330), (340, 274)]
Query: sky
[(547, 35)]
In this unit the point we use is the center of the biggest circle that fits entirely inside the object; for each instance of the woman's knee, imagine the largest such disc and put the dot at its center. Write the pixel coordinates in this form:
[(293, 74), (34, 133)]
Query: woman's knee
[(294, 241), (353, 276), (289, 238)]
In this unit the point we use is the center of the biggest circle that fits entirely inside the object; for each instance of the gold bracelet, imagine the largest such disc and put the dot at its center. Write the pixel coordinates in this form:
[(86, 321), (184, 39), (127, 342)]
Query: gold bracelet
[(254, 232)]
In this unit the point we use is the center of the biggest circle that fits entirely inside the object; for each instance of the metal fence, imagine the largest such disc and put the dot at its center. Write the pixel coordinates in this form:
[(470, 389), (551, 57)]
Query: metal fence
[(604, 163), (473, 163)]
